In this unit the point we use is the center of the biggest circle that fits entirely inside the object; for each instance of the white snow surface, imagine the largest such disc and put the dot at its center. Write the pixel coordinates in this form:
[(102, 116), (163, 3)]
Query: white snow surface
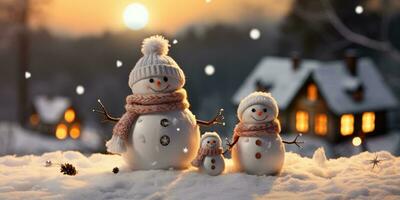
[(302, 178)]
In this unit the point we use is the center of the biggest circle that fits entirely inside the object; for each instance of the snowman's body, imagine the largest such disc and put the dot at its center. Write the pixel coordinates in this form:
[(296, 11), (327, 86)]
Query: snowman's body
[(259, 155), (213, 165), (163, 140)]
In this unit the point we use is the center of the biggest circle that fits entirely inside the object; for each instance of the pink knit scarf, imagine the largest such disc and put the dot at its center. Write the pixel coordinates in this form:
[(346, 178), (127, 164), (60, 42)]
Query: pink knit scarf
[(137, 104), (203, 152), (256, 130)]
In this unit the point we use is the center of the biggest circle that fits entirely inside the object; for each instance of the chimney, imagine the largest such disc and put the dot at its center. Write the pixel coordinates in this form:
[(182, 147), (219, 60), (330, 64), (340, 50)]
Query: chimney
[(351, 61), (295, 60), (358, 93)]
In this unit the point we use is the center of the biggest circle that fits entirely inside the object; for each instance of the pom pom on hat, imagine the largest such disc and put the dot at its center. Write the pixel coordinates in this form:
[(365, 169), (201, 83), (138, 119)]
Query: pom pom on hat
[(155, 45)]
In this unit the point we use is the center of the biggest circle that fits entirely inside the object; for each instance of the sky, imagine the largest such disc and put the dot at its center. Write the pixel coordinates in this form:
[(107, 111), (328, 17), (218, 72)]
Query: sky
[(91, 17)]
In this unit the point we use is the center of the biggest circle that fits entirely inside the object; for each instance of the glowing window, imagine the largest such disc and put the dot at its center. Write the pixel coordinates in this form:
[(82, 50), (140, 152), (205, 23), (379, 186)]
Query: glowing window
[(75, 131), (69, 115), (61, 131), (368, 122), (302, 121), (321, 124), (34, 119), (312, 92), (347, 124)]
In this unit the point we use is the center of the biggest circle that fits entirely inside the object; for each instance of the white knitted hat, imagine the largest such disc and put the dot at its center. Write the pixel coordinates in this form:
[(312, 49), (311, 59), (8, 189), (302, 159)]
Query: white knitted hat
[(255, 98), (210, 134), (155, 62)]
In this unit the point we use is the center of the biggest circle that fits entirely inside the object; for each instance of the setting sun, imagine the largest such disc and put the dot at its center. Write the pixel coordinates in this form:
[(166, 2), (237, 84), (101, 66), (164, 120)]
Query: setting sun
[(136, 16)]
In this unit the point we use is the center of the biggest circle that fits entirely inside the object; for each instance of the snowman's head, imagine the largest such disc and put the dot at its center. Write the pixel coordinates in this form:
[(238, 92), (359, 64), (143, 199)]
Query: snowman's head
[(156, 72), (257, 108), (210, 140), (156, 84)]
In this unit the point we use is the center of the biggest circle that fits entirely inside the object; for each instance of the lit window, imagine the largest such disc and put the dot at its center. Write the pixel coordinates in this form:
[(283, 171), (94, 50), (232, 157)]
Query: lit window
[(61, 131), (321, 124), (75, 131), (34, 119), (302, 121), (312, 92), (69, 115), (368, 122), (347, 124)]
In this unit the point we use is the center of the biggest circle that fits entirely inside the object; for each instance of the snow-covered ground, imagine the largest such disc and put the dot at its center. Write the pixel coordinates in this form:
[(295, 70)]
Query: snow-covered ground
[(20, 141), (302, 178)]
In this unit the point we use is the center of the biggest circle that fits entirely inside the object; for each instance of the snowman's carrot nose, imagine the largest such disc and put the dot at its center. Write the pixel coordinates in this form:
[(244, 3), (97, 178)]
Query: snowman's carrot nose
[(158, 83), (259, 113)]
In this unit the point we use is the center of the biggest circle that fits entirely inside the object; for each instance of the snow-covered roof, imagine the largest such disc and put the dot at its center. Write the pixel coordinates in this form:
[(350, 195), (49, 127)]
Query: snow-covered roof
[(334, 81), (50, 110), (280, 75)]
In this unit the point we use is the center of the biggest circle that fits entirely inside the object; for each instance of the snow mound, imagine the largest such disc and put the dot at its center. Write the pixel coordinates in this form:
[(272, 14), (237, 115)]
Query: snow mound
[(302, 178)]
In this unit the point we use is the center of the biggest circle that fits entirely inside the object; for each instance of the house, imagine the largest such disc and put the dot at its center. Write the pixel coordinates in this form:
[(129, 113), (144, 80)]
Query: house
[(55, 116), (335, 100)]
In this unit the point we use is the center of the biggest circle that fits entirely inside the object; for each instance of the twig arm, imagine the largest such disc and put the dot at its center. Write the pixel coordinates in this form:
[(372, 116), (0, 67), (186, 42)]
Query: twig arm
[(230, 145), (295, 141), (106, 115), (218, 119)]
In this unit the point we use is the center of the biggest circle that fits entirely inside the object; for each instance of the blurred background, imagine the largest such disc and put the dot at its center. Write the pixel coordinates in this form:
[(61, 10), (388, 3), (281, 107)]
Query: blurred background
[(57, 57)]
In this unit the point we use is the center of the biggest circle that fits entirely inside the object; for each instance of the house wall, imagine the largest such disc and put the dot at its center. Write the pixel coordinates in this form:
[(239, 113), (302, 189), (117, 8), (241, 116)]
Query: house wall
[(301, 102)]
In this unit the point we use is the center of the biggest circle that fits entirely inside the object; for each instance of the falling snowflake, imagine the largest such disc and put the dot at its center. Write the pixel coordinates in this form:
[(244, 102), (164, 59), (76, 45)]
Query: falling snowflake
[(178, 129), (356, 141), (359, 9), (209, 70), (154, 163), (185, 150), (175, 41), (27, 75), (255, 34), (118, 63), (80, 90)]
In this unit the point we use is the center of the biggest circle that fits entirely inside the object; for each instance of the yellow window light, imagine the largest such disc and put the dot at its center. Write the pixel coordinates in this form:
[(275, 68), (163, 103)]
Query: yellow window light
[(312, 92), (347, 124), (61, 131), (368, 122), (69, 115), (302, 121), (34, 119), (75, 131), (321, 124)]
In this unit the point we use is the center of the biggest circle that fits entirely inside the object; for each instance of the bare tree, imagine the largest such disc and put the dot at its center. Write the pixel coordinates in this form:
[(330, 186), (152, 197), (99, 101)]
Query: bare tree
[(15, 16), (383, 45)]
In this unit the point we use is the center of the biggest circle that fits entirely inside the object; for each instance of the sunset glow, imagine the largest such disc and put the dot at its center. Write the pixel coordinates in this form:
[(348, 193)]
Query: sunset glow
[(91, 17)]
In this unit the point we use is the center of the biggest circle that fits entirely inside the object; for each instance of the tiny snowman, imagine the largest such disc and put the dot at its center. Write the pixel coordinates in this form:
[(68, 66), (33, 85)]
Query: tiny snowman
[(259, 149), (157, 131), (209, 158)]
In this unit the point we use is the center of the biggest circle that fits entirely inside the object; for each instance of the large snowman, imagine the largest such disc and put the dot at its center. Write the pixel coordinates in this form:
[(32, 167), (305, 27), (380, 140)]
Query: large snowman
[(257, 147), (158, 131)]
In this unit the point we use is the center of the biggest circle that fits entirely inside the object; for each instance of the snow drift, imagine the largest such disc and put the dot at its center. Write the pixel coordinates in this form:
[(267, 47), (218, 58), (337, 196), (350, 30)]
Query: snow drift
[(302, 178)]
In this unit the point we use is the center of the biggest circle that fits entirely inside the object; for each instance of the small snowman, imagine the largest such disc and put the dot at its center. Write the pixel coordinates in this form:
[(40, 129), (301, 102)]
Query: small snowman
[(209, 158), (157, 131), (259, 149)]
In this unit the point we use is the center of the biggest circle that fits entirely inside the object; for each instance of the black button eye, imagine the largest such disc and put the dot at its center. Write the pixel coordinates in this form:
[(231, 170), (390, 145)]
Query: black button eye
[(265, 110), (208, 141), (151, 80), (253, 110), (165, 78)]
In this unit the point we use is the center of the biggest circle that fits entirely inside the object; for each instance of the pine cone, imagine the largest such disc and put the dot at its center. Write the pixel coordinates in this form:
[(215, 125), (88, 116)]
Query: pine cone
[(68, 169), (115, 170)]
